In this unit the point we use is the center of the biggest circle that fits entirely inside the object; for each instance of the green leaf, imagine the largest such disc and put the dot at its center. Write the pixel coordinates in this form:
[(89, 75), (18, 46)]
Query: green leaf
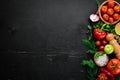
[(90, 78), (90, 44), (93, 44), (118, 40), (113, 31), (98, 3), (91, 51), (89, 27), (92, 73), (96, 70), (90, 36), (90, 32), (99, 54), (88, 63), (86, 42)]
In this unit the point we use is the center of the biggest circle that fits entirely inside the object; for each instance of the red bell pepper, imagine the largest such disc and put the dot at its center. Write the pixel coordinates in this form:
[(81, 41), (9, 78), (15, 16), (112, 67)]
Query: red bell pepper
[(99, 34), (102, 76), (109, 74)]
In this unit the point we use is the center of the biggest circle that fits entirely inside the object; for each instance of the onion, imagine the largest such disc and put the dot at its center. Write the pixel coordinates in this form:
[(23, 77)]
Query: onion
[(94, 17)]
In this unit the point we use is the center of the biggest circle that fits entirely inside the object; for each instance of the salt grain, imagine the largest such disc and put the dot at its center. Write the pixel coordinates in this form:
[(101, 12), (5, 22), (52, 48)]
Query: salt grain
[(102, 60)]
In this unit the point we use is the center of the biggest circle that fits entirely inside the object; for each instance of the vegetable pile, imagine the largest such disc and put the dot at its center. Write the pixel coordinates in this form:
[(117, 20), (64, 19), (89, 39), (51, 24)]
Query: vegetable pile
[(104, 44)]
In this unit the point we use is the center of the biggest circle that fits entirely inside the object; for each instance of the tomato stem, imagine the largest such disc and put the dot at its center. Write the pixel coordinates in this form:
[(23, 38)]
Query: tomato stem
[(113, 66), (102, 78)]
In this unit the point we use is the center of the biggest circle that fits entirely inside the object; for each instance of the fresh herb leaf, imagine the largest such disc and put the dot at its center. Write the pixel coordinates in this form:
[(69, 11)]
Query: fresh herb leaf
[(96, 70), (93, 44), (91, 51), (118, 40), (90, 37), (112, 31), (90, 32), (99, 54), (89, 27), (87, 43), (90, 44), (98, 3), (88, 63), (92, 70), (109, 28)]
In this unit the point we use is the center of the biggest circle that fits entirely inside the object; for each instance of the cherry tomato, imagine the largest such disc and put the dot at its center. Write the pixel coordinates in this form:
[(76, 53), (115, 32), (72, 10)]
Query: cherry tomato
[(104, 9), (105, 17), (110, 11), (98, 43), (101, 48), (111, 3), (116, 16), (104, 42), (111, 20), (117, 8)]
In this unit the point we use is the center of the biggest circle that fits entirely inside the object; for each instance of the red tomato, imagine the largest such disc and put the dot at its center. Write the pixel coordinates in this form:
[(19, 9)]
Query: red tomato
[(114, 66), (116, 16), (117, 8), (104, 9), (104, 42), (110, 11), (111, 3), (111, 20), (105, 17), (98, 43), (101, 48)]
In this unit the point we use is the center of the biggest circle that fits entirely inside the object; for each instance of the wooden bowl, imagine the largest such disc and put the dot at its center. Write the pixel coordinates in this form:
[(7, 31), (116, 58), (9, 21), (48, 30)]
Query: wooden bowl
[(100, 13)]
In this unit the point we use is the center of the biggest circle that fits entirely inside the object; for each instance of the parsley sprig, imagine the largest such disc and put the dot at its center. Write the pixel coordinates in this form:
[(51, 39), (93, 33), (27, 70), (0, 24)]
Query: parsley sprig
[(92, 70)]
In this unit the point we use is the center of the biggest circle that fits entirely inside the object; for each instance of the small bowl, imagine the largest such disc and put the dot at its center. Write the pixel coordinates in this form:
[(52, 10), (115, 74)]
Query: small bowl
[(100, 13), (105, 57)]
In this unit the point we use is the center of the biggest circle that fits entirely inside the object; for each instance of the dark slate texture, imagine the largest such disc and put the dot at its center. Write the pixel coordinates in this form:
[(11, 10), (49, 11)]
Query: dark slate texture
[(41, 39)]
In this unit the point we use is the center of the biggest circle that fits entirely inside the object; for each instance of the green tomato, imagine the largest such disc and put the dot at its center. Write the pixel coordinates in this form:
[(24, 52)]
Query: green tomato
[(108, 49)]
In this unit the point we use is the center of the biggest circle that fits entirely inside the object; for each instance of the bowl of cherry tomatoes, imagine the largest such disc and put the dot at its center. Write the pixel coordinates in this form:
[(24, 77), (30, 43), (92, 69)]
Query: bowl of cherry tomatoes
[(109, 11)]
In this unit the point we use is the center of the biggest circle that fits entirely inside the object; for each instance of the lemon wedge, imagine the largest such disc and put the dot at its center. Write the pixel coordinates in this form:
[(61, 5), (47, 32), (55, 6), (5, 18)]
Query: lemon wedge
[(117, 28)]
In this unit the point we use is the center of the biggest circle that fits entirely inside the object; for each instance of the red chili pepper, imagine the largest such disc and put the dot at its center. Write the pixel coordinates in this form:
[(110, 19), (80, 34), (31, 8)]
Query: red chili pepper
[(102, 76), (107, 73), (99, 34)]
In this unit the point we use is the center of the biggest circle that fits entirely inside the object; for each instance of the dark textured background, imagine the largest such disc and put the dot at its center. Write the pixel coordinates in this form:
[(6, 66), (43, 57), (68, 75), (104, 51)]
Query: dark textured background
[(41, 39)]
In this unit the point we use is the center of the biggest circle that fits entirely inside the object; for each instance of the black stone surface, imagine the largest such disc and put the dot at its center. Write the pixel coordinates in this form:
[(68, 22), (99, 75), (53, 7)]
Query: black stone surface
[(41, 39)]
